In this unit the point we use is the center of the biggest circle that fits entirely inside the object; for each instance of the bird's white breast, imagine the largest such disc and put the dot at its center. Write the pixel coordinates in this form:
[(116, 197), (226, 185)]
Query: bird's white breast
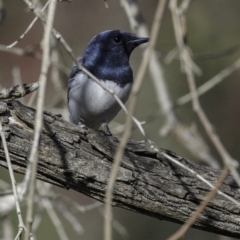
[(90, 104)]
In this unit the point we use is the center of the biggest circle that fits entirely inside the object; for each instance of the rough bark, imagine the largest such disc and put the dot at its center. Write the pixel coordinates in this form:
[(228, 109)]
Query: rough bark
[(147, 183), (18, 91)]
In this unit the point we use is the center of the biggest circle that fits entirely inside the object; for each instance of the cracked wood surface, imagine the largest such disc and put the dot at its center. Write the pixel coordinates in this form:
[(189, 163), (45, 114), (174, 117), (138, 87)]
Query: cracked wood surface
[(80, 159)]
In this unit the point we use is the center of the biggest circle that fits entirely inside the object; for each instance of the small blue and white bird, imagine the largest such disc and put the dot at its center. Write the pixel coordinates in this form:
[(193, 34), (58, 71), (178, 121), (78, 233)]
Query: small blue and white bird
[(106, 57)]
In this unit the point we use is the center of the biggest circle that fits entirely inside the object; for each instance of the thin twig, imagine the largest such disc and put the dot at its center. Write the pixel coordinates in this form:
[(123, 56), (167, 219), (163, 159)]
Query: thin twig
[(7, 200), (74, 207), (44, 189), (38, 217), (31, 99), (182, 231), (55, 219), (2, 11), (201, 178), (16, 74), (157, 22), (186, 63), (17, 79), (216, 54), (28, 28), (106, 4), (211, 83), (55, 74), (28, 51), (122, 231), (20, 51), (50, 200), (117, 226), (77, 227), (30, 177), (21, 225), (86, 208), (68, 209)]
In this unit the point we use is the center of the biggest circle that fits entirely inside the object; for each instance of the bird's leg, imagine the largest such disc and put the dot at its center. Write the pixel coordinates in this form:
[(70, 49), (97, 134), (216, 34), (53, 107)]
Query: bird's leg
[(104, 128), (82, 125)]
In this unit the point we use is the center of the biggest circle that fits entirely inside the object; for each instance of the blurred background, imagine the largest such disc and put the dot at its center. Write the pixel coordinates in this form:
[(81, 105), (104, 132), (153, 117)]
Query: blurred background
[(214, 38)]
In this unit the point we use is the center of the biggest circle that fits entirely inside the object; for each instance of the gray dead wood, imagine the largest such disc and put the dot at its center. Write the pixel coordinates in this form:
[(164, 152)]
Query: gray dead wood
[(147, 183), (18, 91)]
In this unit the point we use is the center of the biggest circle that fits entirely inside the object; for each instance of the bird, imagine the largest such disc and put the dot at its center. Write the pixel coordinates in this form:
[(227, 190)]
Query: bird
[(107, 58)]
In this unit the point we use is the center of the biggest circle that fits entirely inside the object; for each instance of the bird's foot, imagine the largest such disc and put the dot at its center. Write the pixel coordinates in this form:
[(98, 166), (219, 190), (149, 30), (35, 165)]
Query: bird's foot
[(105, 129), (83, 126)]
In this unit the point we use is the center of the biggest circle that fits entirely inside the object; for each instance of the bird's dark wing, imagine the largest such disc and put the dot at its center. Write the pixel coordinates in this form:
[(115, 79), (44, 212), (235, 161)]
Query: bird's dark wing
[(72, 75)]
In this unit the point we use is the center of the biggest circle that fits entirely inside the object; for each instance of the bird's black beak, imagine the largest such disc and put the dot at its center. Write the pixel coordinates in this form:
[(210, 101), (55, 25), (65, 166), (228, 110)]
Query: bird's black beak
[(139, 41), (133, 43)]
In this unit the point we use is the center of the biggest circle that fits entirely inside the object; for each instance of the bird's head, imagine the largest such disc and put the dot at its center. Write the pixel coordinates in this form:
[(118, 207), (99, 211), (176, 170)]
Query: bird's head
[(107, 55)]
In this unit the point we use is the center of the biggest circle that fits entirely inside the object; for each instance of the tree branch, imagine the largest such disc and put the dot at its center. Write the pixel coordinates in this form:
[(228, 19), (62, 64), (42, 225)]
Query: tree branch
[(147, 183)]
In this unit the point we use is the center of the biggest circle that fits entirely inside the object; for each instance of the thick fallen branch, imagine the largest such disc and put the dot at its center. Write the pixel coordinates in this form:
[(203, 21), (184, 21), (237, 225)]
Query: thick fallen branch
[(79, 159)]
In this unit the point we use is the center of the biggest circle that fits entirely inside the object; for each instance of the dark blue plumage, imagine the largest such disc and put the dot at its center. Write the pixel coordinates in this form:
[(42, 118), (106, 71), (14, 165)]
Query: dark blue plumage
[(107, 57)]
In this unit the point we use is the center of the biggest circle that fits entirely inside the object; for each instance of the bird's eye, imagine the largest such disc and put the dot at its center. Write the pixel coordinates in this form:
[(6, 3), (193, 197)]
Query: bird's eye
[(117, 39)]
